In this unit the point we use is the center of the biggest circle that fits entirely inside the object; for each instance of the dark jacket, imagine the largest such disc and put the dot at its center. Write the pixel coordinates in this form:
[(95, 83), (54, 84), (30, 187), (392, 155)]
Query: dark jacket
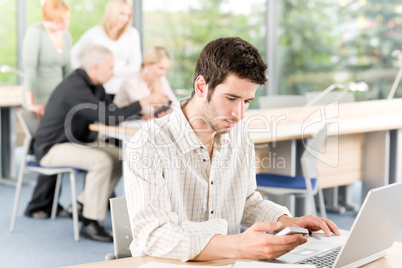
[(75, 104)]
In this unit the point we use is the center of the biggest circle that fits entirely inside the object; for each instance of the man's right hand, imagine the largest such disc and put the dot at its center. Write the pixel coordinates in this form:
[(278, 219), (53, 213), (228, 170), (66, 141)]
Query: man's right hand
[(256, 244), (253, 244)]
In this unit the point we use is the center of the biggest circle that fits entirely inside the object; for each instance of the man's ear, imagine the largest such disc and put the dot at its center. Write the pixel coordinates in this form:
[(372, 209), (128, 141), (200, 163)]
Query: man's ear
[(95, 67), (200, 86)]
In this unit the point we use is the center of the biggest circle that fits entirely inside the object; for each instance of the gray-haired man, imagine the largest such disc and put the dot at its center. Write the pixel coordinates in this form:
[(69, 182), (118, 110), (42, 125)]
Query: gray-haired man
[(63, 137)]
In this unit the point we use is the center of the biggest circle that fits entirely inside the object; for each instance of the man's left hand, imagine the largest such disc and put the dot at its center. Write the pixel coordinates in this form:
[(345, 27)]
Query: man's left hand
[(312, 223)]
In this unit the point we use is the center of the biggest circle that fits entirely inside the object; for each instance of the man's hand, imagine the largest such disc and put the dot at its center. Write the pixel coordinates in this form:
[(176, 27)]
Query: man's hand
[(256, 244), (312, 223), (253, 244)]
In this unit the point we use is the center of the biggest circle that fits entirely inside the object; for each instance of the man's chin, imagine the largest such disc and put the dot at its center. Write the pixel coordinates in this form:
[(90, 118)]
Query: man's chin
[(224, 130)]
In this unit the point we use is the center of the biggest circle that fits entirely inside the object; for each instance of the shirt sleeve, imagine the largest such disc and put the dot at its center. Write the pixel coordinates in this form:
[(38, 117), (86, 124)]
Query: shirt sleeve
[(67, 69), (135, 58), (79, 48), (257, 209), (122, 97), (30, 51), (155, 225), (168, 90), (94, 109)]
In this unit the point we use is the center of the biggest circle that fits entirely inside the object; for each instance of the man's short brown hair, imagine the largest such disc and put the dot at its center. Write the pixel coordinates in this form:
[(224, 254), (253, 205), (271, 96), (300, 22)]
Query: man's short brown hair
[(229, 56)]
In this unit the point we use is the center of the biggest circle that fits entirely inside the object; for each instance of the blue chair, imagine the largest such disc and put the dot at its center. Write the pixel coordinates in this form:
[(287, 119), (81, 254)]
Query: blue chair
[(306, 185), (30, 124)]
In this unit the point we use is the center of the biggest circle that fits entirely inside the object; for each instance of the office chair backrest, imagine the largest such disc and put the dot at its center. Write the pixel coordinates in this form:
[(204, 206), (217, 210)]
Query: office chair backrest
[(122, 236), (281, 101), (29, 122), (312, 152)]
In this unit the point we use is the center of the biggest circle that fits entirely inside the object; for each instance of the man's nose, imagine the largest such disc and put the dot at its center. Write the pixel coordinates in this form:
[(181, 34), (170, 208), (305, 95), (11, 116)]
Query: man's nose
[(239, 110)]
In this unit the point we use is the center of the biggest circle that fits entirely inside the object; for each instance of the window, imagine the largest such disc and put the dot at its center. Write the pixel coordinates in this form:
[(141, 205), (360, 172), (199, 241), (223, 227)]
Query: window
[(184, 28), (84, 15), (322, 42), (8, 39)]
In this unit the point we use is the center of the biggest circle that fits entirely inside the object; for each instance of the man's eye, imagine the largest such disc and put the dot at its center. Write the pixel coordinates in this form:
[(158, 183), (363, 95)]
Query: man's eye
[(231, 99), (246, 101)]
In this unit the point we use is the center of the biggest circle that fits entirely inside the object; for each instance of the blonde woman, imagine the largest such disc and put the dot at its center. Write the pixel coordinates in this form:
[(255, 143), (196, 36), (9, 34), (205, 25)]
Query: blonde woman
[(46, 55), (150, 81), (46, 61), (116, 34)]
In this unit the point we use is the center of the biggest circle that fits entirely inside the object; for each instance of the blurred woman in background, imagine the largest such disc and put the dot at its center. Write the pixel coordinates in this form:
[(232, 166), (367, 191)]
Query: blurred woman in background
[(46, 55), (46, 61), (150, 81), (116, 34)]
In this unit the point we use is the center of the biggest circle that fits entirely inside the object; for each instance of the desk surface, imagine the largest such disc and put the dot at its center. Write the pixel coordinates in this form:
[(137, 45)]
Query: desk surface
[(293, 130), (10, 96), (392, 259), (295, 123)]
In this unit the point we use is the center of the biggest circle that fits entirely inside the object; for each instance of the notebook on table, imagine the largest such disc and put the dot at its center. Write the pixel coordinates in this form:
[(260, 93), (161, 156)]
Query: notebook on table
[(373, 232)]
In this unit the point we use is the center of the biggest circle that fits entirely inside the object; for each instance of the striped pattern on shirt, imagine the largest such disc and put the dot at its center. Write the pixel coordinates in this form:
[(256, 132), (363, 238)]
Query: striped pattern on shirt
[(178, 198)]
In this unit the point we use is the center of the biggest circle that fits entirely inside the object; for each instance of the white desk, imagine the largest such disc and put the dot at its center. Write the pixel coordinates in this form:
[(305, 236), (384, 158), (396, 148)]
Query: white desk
[(392, 260), (364, 140)]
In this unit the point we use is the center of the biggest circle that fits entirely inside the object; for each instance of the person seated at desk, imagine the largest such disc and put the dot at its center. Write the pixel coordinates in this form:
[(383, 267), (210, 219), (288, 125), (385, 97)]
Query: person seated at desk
[(150, 81), (63, 139), (189, 176)]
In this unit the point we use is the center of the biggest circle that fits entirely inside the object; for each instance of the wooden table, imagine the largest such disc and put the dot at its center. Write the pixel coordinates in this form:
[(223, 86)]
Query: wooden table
[(392, 260), (10, 99)]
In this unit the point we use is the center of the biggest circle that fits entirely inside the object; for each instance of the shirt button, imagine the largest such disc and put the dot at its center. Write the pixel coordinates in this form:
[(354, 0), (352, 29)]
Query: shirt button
[(212, 182), (212, 212), (205, 160), (202, 147)]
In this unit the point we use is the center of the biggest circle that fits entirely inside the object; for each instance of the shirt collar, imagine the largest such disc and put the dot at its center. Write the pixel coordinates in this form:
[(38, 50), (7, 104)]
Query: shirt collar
[(186, 139), (84, 75), (89, 82)]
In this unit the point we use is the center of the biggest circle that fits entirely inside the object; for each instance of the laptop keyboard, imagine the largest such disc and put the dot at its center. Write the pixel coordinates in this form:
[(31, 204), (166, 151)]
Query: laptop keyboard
[(324, 260)]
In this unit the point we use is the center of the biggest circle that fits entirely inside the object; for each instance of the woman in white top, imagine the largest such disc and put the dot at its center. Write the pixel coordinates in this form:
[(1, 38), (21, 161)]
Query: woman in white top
[(150, 81), (117, 34)]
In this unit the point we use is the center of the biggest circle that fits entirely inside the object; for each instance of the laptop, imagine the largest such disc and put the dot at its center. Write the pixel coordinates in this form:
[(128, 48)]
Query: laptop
[(373, 232)]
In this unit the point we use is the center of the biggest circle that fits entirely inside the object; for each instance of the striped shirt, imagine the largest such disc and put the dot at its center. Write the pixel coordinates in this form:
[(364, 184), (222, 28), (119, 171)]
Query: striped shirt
[(178, 198)]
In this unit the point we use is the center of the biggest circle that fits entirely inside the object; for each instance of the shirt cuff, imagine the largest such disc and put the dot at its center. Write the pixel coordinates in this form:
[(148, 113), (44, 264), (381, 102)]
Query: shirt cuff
[(136, 107), (200, 233)]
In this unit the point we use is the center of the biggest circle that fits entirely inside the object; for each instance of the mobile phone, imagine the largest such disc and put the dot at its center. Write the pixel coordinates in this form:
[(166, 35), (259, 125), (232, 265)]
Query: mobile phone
[(163, 108), (292, 230)]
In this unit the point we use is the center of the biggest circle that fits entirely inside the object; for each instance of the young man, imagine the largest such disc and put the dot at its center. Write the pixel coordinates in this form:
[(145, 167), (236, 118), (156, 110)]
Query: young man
[(187, 188), (63, 139)]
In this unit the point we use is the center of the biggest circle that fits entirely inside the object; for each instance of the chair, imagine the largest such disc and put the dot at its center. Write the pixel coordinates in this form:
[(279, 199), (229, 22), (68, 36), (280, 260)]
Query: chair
[(281, 101), (30, 124), (122, 236), (307, 185)]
